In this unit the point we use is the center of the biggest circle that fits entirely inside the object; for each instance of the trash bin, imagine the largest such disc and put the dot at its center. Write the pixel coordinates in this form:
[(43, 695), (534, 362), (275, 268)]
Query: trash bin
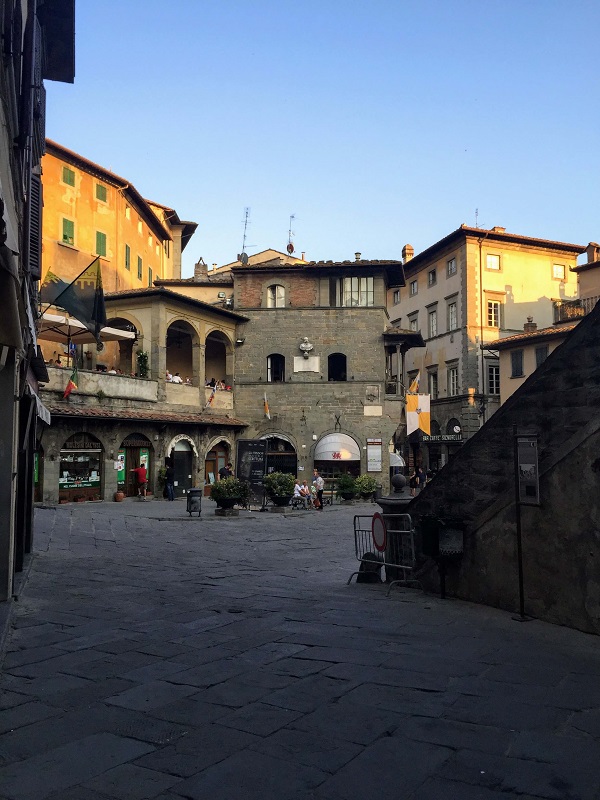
[(194, 501)]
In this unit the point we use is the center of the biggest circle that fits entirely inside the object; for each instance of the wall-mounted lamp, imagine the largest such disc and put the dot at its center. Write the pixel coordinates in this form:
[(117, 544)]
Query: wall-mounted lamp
[(240, 341)]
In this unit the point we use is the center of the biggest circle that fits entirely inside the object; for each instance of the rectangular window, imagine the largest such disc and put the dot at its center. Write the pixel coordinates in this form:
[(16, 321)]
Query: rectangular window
[(414, 288), (101, 193), (140, 267), (413, 323), (140, 226), (127, 257), (493, 379), (541, 354), (516, 364), (431, 277), (275, 296), (68, 176), (432, 324), (149, 276), (492, 262), (100, 244), (432, 378), (452, 317), (356, 292), (68, 232), (452, 381), (127, 212), (493, 313), (396, 297), (451, 267), (558, 271)]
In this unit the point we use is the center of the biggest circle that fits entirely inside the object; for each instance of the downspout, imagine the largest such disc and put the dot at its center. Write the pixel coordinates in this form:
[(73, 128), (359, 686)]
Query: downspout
[(481, 318)]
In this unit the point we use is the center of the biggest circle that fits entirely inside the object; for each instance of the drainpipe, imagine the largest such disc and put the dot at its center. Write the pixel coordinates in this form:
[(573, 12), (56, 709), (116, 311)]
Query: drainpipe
[(481, 319)]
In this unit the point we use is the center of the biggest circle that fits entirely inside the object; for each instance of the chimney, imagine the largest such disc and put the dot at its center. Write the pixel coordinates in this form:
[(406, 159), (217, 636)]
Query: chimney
[(498, 229), (357, 256), (592, 252), (303, 254), (530, 326), (408, 252)]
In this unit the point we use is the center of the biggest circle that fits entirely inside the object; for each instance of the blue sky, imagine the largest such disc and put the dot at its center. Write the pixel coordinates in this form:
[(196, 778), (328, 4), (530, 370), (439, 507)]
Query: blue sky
[(375, 124)]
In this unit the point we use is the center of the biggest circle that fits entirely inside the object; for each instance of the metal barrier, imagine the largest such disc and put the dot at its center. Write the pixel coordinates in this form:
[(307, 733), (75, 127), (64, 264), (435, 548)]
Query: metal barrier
[(386, 540)]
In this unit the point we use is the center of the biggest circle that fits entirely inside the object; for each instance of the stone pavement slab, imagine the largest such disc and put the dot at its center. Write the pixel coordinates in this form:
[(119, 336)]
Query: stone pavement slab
[(153, 656)]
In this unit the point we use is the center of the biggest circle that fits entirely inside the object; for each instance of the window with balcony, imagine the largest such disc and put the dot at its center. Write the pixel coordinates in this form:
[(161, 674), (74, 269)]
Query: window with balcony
[(275, 296), (275, 368), (516, 364)]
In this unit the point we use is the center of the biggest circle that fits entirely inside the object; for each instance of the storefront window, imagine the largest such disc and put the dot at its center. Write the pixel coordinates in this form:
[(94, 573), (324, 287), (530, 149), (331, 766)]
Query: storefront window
[(80, 473)]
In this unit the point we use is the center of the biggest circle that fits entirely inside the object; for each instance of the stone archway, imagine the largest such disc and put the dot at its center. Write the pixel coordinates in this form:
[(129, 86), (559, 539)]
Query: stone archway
[(181, 338)]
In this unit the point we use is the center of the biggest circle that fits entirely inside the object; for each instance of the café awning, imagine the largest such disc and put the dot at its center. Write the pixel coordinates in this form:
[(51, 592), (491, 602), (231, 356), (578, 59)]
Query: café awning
[(337, 447), (59, 328)]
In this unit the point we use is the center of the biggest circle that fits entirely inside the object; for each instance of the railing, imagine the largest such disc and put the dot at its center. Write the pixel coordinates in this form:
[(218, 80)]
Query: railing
[(566, 310), (589, 303)]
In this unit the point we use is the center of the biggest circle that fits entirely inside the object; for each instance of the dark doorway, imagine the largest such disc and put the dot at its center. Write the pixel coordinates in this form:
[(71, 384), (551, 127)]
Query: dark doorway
[(183, 464)]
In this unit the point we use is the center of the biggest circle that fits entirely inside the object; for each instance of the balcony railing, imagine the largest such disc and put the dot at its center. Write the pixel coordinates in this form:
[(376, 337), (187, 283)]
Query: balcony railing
[(567, 310)]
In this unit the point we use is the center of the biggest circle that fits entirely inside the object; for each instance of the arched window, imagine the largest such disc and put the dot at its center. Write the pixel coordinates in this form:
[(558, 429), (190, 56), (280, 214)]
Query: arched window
[(275, 296), (336, 367), (275, 368)]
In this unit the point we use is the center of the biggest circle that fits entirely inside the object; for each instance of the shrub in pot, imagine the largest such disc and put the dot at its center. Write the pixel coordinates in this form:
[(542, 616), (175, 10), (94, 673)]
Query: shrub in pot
[(229, 491), (345, 487), (365, 485), (279, 487)]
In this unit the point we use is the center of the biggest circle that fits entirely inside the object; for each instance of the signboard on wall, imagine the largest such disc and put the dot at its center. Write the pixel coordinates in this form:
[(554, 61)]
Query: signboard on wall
[(528, 474), (374, 449), (251, 461)]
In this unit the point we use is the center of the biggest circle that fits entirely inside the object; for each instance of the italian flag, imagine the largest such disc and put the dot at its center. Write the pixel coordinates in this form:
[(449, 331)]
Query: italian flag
[(72, 384)]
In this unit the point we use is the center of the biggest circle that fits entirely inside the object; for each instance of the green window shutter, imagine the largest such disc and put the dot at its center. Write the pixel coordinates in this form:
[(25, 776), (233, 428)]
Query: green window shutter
[(140, 267), (100, 244), (68, 176), (127, 257), (68, 231), (149, 277), (101, 193)]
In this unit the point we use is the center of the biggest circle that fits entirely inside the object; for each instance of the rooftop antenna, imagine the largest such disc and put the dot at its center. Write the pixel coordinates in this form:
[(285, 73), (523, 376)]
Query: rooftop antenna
[(476, 217), (290, 245), (243, 256)]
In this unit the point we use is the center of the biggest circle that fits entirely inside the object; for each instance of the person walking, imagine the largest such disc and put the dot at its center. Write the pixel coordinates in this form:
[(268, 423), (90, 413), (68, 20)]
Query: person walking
[(141, 479), (421, 478), (319, 485)]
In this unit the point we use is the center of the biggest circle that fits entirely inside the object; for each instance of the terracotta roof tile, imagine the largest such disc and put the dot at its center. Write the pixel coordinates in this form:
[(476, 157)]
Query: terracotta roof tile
[(70, 410), (542, 333)]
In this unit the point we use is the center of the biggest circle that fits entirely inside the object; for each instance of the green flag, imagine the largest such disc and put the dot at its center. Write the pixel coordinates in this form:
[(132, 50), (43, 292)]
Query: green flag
[(83, 298)]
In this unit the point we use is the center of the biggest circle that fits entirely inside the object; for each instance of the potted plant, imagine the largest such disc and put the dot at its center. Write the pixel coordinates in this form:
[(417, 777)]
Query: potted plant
[(279, 487), (142, 363), (345, 486), (228, 492), (365, 485)]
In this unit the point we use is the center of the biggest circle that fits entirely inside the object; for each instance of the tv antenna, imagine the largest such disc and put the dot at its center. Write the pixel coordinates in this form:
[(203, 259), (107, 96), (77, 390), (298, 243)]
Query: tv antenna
[(243, 256), (476, 217), (290, 245)]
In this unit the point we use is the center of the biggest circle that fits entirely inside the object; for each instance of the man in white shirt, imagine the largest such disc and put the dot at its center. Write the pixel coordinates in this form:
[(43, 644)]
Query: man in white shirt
[(176, 378)]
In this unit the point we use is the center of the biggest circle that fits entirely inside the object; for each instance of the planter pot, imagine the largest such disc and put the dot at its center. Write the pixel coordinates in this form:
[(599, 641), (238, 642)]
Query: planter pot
[(282, 500), (367, 495), (119, 497), (347, 495), (228, 502)]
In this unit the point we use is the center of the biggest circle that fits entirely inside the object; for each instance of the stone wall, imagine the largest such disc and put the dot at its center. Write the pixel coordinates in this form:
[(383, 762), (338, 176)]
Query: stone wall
[(560, 403)]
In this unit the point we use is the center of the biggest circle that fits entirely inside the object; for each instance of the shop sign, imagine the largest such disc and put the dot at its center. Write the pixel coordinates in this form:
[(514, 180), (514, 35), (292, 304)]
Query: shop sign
[(251, 460), (70, 483), (374, 449), (442, 437), (528, 473)]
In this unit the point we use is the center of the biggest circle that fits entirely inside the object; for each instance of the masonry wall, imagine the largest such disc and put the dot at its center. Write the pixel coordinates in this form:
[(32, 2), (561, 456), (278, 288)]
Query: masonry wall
[(560, 403)]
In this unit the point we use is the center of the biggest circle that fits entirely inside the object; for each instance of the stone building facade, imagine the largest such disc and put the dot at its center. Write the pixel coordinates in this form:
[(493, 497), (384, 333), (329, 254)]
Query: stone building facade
[(472, 287)]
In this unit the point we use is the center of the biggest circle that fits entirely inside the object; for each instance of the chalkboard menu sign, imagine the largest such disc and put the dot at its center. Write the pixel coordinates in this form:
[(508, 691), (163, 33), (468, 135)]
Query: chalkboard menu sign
[(251, 460)]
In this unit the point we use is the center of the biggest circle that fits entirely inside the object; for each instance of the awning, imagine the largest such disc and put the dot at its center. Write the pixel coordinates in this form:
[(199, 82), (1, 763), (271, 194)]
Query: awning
[(337, 447), (59, 328), (41, 409), (396, 460)]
